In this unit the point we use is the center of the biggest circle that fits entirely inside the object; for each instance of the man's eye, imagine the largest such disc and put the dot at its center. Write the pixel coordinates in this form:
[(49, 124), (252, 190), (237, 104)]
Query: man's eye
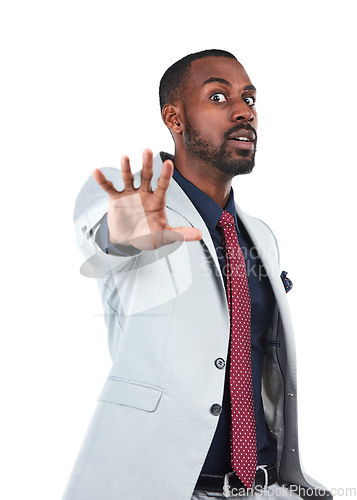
[(250, 101), (218, 97)]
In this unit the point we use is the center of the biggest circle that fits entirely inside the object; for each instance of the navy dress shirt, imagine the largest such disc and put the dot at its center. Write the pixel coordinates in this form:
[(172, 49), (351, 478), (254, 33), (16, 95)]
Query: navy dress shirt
[(218, 460), (262, 304)]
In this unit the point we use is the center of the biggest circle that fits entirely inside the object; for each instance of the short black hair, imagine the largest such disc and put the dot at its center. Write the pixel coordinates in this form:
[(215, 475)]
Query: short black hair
[(173, 81)]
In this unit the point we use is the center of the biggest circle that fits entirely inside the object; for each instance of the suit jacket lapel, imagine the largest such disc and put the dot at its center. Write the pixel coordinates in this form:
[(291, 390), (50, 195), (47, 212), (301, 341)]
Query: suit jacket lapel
[(262, 240), (178, 201)]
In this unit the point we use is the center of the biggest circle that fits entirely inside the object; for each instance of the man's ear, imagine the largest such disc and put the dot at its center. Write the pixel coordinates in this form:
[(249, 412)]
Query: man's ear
[(171, 117)]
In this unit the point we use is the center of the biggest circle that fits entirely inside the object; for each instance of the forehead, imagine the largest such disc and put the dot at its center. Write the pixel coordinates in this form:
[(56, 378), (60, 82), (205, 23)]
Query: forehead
[(217, 67)]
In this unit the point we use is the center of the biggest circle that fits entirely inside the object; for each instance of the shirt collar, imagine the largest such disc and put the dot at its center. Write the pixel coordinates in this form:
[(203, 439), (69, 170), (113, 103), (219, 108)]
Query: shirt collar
[(208, 209)]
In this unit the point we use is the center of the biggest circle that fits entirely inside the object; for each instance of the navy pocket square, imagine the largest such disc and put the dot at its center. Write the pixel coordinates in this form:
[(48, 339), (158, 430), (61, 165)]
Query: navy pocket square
[(288, 284)]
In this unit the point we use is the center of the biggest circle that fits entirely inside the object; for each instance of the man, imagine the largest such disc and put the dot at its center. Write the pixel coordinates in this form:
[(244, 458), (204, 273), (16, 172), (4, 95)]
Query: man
[(201, 398)]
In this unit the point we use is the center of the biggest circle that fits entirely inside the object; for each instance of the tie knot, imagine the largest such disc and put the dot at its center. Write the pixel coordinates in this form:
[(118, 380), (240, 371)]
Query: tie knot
[(226, 219)]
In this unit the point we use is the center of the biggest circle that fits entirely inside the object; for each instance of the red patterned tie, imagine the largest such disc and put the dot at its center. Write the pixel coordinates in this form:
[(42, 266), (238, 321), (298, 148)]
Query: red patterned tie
[(243, 432)]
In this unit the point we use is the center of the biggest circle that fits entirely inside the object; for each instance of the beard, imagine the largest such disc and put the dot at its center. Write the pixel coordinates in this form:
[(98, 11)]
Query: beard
[(220, 158)]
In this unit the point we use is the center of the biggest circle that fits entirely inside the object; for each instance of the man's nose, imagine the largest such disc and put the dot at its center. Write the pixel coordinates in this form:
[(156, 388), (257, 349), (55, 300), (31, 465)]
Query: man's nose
[(242, 112)]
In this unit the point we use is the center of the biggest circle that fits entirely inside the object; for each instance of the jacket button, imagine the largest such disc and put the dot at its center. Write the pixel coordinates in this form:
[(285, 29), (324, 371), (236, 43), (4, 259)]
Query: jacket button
[(216, 409), (220, 363)]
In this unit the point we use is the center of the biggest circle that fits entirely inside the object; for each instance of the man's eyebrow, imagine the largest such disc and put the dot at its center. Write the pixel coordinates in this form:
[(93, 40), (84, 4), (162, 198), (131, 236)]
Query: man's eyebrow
[(216, 79), (250, 87)]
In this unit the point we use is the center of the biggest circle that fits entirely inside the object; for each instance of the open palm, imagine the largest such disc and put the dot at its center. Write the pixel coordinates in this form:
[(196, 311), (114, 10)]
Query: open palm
[(137, 216)]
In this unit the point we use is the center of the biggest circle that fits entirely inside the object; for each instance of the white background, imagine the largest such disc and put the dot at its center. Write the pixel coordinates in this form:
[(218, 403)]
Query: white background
[(78, 90)]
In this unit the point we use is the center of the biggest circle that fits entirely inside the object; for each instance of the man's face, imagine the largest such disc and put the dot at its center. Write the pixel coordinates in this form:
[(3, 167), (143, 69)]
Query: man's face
[(220, 116)]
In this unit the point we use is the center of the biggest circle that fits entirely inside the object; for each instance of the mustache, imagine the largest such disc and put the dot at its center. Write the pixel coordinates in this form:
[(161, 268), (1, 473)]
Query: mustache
[(238, 127)]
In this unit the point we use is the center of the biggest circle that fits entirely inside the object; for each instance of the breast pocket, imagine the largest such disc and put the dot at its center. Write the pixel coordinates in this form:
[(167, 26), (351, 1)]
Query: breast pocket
[(129, 393)]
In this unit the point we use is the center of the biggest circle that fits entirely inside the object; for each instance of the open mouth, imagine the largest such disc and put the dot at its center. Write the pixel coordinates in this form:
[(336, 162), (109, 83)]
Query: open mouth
[(242, 143), (243, 139)]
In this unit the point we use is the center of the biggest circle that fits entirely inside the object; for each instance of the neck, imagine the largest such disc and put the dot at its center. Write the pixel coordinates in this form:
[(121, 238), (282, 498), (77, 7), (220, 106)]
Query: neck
[(211, 181)]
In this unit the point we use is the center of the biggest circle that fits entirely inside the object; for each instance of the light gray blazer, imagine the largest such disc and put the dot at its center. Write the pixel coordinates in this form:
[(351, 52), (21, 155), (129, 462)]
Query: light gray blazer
[(168, 321)]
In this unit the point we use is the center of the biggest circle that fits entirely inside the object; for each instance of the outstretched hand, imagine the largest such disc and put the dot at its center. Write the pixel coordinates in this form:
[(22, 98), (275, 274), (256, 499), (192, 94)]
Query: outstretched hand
[(137, 216)]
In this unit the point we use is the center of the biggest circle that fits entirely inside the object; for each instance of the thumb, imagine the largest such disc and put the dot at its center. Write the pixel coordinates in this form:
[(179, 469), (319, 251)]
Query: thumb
[(188, 233)]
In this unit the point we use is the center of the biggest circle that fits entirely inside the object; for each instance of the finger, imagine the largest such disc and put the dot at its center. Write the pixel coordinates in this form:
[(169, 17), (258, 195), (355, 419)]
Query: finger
[(106, 185), (173, 234), (126, 174), (189, 233), (164, 180), (146, 173)]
